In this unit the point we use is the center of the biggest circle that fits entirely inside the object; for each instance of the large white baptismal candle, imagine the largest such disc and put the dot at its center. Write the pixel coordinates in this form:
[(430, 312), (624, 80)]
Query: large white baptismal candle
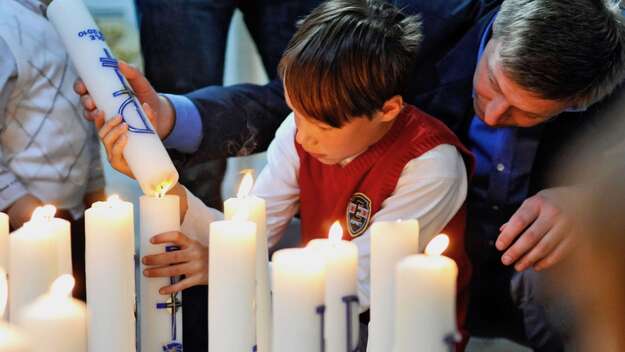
[(40, 252), (11, 340), (341, 286), (55, 321), (255, 208), (4, 252), (298, 279), (110, 269), (425, 305), (390, 243), (98, 68), (160, 316), (231, 286)]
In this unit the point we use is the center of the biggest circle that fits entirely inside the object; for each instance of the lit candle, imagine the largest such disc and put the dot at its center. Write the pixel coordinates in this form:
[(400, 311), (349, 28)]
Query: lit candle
[(160, 316), (390, 243), (4, 251), (231, 288), (40, 252), (425, 306), (255, 208), (341, 295), (11, 340), (109, 253), (55, 321), (298, 278), (96, 65)]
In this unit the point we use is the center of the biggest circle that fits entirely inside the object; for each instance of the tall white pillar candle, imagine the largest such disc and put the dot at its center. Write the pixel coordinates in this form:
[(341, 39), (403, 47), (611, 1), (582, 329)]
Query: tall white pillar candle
[(160, 315), (341, 290), (55, 321), (231, 288), (298, 278), (4, 253), (11, 339), (390, 243), (425, 305), (109, 254), (255, 207), (98, 68), (40, 252)]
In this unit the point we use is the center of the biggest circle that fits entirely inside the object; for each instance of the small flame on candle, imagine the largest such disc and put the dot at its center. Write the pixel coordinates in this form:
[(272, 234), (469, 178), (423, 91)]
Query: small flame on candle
[(63, 286), (437, 245), (246, 184), (113, 198), (4, 292), (336, 232), (45, 212)]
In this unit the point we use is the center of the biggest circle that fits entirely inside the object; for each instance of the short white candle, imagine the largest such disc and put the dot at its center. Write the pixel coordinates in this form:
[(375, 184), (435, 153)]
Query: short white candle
[(55, 321), (255, 207), (40, 252), (96, 65), (390, 243), (298, 279), (231, 288), (158, 215), (11, 339), (4, 251), (109, 254), (341, 286), (425, 305)]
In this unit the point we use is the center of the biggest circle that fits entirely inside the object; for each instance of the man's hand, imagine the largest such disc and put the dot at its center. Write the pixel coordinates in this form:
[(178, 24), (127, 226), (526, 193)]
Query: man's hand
[(163, 118), (191, 260), (22, 209), (538, 234)]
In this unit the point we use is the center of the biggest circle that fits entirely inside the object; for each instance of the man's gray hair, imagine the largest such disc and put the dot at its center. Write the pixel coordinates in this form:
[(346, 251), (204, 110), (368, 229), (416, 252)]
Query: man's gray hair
[(567, 50)]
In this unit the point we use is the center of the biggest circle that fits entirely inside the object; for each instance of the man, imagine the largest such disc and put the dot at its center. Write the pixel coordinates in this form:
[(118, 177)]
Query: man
[(515, 83)]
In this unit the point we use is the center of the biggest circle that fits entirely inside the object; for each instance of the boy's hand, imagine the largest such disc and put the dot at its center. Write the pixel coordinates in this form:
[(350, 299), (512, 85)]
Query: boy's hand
[(191, 261), (114, 136), (163, 118), (22, 210)]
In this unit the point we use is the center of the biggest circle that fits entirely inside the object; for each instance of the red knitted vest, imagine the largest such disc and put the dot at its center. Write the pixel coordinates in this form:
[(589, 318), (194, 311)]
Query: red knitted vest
[(353, 193)]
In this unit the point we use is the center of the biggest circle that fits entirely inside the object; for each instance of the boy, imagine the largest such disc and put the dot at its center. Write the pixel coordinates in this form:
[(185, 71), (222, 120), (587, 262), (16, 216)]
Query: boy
[(351, 150), (48, 153)]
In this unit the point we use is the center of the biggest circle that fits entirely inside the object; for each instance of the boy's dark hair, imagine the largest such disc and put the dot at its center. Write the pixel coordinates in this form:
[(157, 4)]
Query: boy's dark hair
[(347, 58)]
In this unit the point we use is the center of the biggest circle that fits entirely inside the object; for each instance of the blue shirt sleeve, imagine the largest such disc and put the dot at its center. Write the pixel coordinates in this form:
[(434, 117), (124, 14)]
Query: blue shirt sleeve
[(187, 134)]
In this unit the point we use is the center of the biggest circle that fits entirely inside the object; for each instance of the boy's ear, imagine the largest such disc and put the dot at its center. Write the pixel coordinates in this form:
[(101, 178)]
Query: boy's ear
[(391, 108)]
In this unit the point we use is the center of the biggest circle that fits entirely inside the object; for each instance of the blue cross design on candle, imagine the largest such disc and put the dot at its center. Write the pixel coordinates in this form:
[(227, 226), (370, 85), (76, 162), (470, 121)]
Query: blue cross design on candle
[(349, 300), (321, 311), (130, 102), (173, 304)]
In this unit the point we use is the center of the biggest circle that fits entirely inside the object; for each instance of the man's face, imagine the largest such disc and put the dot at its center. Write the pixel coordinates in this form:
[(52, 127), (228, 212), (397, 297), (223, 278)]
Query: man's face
[(331, 145), (501, 102)]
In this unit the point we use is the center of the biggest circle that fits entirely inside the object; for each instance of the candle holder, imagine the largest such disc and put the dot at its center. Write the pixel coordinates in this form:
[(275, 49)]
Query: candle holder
[(349, 300), (173, 304), (321, 311), (451, 340)]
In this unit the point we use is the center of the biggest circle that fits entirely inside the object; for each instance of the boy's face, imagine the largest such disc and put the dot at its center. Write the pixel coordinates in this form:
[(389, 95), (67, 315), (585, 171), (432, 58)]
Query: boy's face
[(332, 145)]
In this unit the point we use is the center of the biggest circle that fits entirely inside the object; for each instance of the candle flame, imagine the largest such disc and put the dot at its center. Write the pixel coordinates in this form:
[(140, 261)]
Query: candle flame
[(45, 212), (4, 292), (246, 184), (336, 232), (63, 286), (437, 245), (113, 198)]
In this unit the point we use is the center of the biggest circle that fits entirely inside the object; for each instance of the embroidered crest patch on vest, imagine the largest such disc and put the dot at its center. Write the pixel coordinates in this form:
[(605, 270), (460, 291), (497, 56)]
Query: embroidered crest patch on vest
[(358, 214)]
